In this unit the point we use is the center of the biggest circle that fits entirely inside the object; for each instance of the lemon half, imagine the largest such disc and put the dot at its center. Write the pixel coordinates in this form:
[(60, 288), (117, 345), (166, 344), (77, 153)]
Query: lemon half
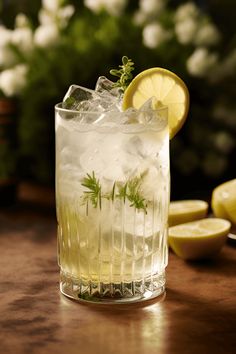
[(199, 239), (186, 210), (223, 201), (169, 91)]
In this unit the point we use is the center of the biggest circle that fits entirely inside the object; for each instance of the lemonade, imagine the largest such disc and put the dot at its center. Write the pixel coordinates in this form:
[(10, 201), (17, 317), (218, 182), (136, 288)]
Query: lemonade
[(117, 241), (112, 193)]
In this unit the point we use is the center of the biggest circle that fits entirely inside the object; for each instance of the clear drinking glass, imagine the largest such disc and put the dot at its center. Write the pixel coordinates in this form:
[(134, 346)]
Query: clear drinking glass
[(112, 196)]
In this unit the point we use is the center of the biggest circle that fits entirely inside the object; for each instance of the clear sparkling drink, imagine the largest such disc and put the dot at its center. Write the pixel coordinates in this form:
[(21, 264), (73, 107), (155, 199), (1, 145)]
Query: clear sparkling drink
[(112, 195)]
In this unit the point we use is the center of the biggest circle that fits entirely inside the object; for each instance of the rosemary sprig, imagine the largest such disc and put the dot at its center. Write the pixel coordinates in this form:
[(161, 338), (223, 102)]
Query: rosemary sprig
[(124, 73), (122, 194), (113, 192), (94, 190), (131, 191), (135, 196)]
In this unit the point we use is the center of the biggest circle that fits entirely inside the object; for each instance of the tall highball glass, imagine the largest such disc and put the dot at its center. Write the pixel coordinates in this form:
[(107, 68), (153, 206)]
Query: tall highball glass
[(112, 197)]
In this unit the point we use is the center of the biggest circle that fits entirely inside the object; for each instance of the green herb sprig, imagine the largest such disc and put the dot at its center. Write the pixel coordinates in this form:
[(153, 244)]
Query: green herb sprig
[(94, 190), (129, 191), (124, 73)]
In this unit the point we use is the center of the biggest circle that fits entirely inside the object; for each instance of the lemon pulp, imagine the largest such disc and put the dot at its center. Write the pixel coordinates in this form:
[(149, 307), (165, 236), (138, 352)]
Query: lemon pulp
[(186, 210)]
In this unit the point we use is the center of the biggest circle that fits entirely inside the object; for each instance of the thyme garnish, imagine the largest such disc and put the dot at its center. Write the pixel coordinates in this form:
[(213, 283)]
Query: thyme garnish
[(124, 73)]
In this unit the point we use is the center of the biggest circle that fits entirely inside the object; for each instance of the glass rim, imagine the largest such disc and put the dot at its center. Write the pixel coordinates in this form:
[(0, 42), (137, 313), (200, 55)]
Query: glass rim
[(65, 110)]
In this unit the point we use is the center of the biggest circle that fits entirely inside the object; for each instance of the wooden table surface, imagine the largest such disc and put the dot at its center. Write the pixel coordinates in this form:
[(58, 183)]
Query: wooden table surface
[(196, 315)]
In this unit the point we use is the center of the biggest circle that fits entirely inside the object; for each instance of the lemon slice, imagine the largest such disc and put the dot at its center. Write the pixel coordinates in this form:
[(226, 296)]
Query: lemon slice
[(186, 210), (169, 91), (199, 239), (223, 201)]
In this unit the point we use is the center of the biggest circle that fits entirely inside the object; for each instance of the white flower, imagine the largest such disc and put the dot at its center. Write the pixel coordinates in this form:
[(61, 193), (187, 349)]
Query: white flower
[(21, 20), (154, 35), (201, 62), (60, 16), (5, 36), (186, 30), (95, 5), (23, 38), (148, 10), (207, 35), (186, 22), (224, 142), (45, 17), (113, 7), (46, 35), (64, 14), (7, 57), (139, 17), (189, 10), (51, 5), (153, 7), (12, 81)]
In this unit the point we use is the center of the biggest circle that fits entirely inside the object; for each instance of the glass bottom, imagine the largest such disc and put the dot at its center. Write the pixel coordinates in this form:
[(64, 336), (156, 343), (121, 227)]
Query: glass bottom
[(112, 293)]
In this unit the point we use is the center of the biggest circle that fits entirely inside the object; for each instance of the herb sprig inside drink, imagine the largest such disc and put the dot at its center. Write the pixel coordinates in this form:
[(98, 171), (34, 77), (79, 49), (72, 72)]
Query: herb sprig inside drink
[(112, 184)]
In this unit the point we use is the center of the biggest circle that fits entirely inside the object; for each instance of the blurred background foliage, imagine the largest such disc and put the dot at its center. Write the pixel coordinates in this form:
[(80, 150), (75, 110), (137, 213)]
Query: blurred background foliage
[(57, 43)]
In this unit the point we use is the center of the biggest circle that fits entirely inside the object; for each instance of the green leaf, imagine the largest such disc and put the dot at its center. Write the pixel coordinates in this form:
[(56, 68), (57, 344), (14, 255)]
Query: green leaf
[(69, 102), (124, 73)]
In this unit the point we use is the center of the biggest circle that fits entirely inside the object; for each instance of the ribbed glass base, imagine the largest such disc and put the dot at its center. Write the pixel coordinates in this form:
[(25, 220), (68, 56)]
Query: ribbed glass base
[(109, 293)]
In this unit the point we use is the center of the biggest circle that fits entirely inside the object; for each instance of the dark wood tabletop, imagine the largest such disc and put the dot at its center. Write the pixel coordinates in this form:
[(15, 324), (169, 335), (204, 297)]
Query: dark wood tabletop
[(197, 314)]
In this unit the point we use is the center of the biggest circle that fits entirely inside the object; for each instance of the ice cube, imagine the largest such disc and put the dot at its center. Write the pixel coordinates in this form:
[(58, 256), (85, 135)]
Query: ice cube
[(153, 112), (77, 95), (102, 104), (134, 146), (141, 226), (130, 116), (146, 114), (83, 99), (100, 112), (105, 86), (146, 111), (106, 90), (150, 177), (110, 118), (94, 103), (108, 159)]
